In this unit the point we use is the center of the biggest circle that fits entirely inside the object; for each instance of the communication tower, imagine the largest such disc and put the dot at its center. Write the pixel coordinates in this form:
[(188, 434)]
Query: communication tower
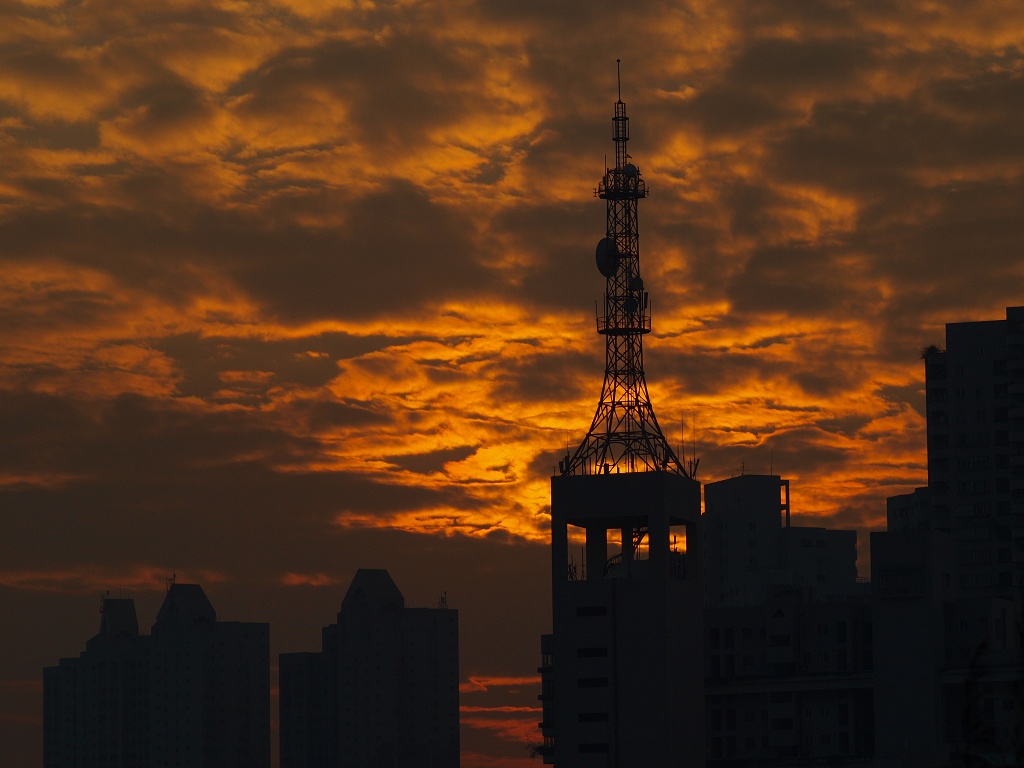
[(625, 435), (622, 672)]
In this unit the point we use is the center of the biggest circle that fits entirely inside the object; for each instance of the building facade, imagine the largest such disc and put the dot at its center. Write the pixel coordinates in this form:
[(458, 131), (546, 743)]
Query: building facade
[(384, 690), (622, 672), (788, 633)]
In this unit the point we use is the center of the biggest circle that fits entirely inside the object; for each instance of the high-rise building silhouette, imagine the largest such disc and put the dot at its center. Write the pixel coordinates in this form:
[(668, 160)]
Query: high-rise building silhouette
[(622, 670), (975, 414), (196, 691), (384, 690), (752, 551), (928, 671), (947, 572), (788, 633)]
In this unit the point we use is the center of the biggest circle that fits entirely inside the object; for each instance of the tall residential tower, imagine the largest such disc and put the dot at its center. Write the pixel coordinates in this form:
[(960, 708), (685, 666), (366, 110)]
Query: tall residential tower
[(384, 690), (949, 571), (196, 691), (622, 670)]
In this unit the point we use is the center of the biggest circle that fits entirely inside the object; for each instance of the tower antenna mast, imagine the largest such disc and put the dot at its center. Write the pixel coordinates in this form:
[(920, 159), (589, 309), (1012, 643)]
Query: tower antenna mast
[(625, 435)]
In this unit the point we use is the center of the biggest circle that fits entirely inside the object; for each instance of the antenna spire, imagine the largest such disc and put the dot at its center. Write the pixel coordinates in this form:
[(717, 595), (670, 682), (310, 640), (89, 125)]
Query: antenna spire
[(625, 435)]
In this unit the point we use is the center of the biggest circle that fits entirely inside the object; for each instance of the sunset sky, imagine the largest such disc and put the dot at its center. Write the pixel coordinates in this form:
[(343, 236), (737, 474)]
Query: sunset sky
[(292, 287)]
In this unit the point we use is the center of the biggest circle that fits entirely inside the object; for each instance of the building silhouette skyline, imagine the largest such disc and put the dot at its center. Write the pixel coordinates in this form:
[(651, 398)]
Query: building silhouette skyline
[(924, 666), (195, 691), (800, 660)]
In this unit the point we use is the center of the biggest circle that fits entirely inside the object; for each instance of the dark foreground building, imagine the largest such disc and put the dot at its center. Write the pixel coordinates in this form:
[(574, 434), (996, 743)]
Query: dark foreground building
[(927, 669), (195, 692), (788, 634), (384, 690), (947, 574)]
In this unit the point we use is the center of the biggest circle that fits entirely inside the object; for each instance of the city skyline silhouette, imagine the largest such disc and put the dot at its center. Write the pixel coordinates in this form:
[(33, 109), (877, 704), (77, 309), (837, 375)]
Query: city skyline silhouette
[(291, 291)]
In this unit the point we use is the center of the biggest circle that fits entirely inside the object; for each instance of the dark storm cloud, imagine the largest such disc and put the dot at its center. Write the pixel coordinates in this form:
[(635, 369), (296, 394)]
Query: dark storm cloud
[(395, 250), (153, 475), (796, 280), (307, 362), (568, 378), (396, 91)]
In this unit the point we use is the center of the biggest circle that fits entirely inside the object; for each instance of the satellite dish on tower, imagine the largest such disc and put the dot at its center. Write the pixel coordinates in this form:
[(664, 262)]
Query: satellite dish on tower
[(607, 257), (631, 171)]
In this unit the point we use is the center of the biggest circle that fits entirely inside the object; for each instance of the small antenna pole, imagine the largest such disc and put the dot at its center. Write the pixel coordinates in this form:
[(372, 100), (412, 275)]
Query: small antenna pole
[(618, 77)]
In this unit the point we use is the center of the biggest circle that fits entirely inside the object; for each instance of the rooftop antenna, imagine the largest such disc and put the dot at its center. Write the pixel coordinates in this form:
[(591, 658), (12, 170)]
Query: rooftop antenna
[(625, 433)]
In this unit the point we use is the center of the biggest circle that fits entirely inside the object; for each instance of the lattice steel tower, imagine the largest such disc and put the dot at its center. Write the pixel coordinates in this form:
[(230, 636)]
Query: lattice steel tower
[(625, 435), (622, 671)]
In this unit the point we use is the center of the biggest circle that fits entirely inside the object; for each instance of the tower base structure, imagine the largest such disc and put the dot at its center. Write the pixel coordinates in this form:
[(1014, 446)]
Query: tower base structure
[(623, 670)]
